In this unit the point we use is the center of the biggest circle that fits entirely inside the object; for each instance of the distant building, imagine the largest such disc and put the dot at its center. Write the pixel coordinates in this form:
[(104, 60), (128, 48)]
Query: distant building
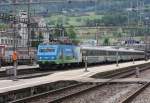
[(35, 22), (40, 22), (23, 28), (7, 38), (91, 42)]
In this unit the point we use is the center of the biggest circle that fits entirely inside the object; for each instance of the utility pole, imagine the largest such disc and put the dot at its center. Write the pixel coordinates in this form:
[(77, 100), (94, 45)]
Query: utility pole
[(29, 31), (96, 6), (28, 25), (96, 34), (96, 24), (14, 55), (146, 37)]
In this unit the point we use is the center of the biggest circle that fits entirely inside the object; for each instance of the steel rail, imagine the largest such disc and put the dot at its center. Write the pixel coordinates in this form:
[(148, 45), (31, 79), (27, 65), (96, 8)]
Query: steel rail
[(135, 94), (119, 75), (26, 99)]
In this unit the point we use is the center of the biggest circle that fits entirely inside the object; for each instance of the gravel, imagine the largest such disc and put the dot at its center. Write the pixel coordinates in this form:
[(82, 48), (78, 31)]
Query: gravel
[(106, 94), (145, 74)]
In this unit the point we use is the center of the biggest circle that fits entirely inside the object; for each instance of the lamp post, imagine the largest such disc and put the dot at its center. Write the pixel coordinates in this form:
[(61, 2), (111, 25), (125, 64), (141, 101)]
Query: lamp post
[(145, 37), (84, 53), (117, 62)]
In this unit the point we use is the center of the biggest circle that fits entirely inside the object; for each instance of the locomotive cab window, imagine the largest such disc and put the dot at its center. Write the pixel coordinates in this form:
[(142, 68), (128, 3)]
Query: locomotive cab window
[(47, 50)]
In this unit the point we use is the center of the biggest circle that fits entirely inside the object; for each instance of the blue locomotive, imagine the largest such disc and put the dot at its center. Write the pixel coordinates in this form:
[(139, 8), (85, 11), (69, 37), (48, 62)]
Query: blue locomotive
[(57, 54)]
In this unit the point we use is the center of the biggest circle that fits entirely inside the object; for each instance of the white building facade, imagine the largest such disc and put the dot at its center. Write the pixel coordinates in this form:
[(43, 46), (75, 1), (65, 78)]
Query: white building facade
[(23, 31), (7, 38), (38, 21)]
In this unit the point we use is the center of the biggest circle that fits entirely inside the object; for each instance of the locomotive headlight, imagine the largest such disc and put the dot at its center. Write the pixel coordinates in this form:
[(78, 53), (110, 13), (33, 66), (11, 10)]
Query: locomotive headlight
[(52, 57), (40, 57), (46, 57)]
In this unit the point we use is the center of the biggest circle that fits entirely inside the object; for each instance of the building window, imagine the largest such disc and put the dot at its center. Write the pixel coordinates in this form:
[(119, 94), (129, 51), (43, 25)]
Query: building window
[(8, 42), (11, 42), (5, 41), (2, 41), (19, 41)]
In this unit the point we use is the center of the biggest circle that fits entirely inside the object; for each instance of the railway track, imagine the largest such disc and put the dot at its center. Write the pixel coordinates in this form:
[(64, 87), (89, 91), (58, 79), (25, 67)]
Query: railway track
[(71, 91), (129, 98)]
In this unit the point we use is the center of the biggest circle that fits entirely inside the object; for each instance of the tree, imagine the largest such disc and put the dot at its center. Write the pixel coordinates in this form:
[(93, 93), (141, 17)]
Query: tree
[(39, 40), (71, 33), (3, 26), (33, 35), (106, 41), (114, 20), (33, 38), (58, 31), (40, 37)]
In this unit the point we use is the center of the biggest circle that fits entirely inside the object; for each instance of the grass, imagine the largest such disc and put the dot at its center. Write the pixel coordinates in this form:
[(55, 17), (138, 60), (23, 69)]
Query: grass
[(72, 20), (81, 20)]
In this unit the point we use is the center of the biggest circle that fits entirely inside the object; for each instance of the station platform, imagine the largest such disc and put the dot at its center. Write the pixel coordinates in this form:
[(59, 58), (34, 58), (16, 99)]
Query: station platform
[(19, 67), (79, 74)]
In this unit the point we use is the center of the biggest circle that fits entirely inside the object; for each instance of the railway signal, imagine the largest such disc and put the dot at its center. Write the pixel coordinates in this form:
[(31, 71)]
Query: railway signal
[(137, 73)]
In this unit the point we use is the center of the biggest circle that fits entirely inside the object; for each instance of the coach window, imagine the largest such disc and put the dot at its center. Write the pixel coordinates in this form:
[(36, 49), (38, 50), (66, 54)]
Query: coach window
[(102, 52), (89, 52), (93, 52), (122, 53), (96, 52), (129, 53), (110, 53)]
